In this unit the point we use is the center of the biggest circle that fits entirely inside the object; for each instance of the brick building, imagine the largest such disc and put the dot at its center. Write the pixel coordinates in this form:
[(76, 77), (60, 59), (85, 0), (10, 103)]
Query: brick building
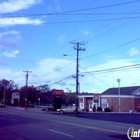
[(87, 101), (129, 99)]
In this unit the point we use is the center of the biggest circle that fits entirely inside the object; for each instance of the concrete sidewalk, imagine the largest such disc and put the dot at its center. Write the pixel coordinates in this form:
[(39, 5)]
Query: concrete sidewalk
[(33, 109)]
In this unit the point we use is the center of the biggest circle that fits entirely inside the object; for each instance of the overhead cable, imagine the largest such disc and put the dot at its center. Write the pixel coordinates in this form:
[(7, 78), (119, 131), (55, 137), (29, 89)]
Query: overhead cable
[(113, 69), (112, 48)]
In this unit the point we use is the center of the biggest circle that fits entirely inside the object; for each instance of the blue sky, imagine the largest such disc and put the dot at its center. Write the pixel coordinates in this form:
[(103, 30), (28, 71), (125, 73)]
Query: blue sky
[(34, 35)]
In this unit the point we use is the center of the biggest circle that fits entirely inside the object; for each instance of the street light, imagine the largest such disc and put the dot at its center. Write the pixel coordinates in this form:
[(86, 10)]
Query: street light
[(119, 80), (77, 81), (39, 101)]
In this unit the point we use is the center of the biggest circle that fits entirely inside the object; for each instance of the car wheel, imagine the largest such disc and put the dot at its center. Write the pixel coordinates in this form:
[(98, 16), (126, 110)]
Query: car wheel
[(61, 111)]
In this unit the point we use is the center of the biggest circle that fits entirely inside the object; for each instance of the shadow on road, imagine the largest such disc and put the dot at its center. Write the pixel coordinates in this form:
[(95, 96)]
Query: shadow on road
[(120, 137), (114, 117)]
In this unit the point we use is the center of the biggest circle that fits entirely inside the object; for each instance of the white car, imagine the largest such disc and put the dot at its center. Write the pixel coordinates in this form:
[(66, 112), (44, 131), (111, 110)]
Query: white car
[(69, 109)]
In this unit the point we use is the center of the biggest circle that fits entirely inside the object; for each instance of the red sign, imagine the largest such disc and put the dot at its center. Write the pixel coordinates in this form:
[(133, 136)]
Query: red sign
[(57, 92)]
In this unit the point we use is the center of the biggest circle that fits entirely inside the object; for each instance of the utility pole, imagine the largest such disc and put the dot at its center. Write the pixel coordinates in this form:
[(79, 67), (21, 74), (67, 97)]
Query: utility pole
[(26, 76), (4, 84), (119, 80), (77, 48)]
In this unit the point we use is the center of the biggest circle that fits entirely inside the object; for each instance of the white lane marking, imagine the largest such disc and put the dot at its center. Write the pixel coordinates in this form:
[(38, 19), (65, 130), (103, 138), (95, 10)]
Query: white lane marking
[(14, 119), (121, 126), (61, 133)]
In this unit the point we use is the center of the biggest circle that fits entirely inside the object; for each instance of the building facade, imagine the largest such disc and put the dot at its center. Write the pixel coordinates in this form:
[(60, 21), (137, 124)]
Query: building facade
[(88, 101), (124, 99)]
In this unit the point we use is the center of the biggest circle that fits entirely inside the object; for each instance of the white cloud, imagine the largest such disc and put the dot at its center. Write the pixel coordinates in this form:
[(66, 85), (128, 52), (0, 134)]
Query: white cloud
[(54, 7), (134, 83), (105, 80), (49, 9), (86, 32), (54, 67), (9, 38), (57, 6), (10, 53), (16, 5), (51, 70), (133, 51), (10, 75), (12, 32), (18, 21), (62, 38), (58, 69)]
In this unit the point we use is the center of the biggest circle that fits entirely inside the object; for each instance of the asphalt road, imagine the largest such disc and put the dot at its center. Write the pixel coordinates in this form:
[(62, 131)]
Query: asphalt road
[(131, 118), (17, 124)]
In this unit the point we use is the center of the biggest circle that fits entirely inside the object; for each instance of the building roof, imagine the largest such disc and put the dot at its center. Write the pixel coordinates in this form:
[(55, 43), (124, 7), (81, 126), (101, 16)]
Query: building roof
[(123, 91)]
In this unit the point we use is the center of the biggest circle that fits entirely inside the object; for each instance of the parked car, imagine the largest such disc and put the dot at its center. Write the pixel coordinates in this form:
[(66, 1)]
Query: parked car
[(2, 104), (49, 105), (69, 109)]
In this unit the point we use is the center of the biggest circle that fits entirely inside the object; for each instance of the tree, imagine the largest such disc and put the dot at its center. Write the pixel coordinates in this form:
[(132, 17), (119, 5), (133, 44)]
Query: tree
[(45, 93), (6, 89), (43, 88), (70, 98), (32, 94)]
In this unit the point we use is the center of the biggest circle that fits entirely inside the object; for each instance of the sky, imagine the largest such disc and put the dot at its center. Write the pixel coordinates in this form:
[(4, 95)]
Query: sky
[(35, 34)]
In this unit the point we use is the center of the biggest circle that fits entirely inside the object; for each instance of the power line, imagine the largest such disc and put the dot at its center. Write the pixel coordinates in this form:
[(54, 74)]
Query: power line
[(92, 55), (83, 14), (79, 21), (56, 58), (105, 33), (101, 7), (60, 68), (97, 71), (89, 73), (73, 11), (100, 14), (61, 80), (83, 21), (112, 48), (79, 10), (113, 69), (113, 29)]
